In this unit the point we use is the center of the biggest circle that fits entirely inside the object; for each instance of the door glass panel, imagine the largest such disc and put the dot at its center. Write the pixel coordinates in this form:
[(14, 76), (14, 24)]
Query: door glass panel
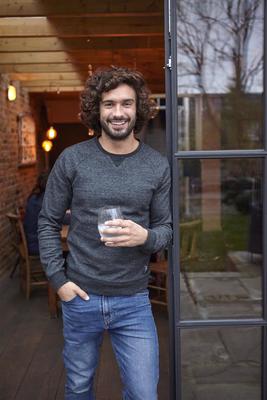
[(221, 363), (220, 74), (221, 238)]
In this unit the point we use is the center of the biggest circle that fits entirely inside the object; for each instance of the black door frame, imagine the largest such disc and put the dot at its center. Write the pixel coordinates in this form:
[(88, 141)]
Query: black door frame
[(176, 324)]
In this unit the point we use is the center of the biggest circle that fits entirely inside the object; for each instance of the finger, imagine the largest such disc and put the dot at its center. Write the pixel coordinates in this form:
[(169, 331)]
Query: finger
[(113, 231), (115, 239), (119, 244), (82, 294), (118, 222)]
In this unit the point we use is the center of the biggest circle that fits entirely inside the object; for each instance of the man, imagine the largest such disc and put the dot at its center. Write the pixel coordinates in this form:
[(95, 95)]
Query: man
[(103, 285)]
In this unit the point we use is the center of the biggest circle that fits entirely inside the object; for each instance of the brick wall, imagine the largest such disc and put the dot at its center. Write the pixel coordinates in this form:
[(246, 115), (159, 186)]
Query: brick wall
[(15, 182)]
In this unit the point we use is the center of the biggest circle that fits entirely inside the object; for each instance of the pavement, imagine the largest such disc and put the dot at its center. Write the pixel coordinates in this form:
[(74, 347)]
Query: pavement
[(223, 363)]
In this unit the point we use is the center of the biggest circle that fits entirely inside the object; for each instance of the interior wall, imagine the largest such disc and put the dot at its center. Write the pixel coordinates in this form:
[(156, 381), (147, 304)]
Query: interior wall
[(16, 182)]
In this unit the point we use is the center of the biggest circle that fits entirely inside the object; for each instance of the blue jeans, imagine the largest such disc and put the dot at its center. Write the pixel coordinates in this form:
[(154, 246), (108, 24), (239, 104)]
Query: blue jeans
[(132, 330)]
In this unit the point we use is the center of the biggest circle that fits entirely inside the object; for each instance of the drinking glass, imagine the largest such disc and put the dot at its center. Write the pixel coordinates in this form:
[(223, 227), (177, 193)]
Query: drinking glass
[(108, 214)]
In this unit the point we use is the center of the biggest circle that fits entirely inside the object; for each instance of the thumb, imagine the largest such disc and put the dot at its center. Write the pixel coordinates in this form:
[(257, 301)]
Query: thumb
[(82, 294)]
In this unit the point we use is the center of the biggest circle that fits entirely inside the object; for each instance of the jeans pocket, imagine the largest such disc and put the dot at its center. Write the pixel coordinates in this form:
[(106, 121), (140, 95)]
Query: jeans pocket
[(141, 300), (71, 300)]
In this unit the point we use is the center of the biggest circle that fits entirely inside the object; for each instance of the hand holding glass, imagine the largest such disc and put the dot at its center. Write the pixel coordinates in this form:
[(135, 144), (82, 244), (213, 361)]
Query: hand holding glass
[(108, 214)]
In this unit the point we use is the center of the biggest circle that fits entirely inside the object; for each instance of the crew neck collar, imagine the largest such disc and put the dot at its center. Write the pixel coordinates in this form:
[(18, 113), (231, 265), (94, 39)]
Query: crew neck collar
[(119, 155)]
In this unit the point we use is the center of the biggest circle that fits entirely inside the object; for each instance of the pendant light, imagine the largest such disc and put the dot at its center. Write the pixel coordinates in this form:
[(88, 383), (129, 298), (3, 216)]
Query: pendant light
[(51, 133)]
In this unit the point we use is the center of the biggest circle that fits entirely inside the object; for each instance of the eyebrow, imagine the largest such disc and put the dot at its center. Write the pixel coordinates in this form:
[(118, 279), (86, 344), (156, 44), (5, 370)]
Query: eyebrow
[(113, 100)]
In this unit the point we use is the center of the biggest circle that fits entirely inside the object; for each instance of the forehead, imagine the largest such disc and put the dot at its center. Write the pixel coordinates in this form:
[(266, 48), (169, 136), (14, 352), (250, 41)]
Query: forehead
[(122, 92)]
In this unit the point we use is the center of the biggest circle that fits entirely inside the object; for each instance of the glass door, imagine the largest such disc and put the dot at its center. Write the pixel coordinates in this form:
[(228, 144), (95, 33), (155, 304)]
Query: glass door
[(217, 148)]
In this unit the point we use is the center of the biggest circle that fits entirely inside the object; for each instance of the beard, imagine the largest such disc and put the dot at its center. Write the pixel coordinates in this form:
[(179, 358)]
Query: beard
[(120, 133)]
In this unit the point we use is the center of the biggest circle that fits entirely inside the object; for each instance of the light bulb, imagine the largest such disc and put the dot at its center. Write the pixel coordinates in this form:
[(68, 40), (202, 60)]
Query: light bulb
[(47, 145), (51, 133), (11, 93)]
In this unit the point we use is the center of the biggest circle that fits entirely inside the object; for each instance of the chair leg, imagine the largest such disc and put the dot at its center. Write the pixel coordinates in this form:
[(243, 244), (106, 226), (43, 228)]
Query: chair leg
[(22, 278)]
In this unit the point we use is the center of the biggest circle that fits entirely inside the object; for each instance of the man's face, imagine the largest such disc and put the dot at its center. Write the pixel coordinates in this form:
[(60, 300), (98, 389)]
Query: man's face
[(118, 112)]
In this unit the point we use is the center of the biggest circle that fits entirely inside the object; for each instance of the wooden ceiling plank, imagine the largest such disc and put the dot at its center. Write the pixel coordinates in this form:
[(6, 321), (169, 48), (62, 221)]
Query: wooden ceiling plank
[(91, 57), (56, 79), (61, 82), (51, 7), (59, 89), (43, 67), (67, 67), (156, 88), (59, 44), (80, 27), (67, 82), (44, 76), (32, 58)]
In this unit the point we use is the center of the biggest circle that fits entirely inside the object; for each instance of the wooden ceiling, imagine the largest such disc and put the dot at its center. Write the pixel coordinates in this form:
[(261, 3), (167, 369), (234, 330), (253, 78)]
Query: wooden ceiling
[(48, 45)]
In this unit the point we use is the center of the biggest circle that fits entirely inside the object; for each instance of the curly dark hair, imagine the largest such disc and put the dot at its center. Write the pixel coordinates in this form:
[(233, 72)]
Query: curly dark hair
[(106, 79)]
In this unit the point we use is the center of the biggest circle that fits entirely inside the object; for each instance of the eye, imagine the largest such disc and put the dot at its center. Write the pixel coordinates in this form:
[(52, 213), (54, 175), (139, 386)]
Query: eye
[(128, 103), (108, 104)]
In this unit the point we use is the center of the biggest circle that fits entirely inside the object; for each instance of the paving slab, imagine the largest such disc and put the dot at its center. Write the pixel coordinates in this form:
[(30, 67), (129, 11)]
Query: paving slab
[(254, 287), (226, 392), (243, 344)]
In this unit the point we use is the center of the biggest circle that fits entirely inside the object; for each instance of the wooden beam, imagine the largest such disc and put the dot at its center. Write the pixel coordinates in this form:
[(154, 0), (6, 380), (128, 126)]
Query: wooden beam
[(51, 83), (68, 67), (42, 67), (10, 8), (81, 27), (153, 72), (155, 88), (47, 76), (59, 44), (67, 82), (35, 58), (104, 57), (59, 89)]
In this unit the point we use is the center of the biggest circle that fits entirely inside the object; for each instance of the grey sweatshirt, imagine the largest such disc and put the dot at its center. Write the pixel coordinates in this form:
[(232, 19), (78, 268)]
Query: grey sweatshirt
[(85, 178)]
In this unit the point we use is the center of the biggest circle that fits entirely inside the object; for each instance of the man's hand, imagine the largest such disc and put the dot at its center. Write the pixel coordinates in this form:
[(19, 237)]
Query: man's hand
[(128, 233), (69, 290)]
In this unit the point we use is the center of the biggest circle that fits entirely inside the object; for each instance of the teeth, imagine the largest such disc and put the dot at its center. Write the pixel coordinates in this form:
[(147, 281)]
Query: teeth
[(118, 122)]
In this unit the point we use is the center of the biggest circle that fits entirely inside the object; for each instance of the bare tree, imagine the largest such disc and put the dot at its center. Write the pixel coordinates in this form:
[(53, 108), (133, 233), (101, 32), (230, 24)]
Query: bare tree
[(220, 50), (214, 32)]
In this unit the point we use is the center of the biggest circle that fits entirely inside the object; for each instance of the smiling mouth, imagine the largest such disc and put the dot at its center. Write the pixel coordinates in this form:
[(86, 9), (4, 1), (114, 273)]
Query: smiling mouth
[(118, 124), (115, 122)]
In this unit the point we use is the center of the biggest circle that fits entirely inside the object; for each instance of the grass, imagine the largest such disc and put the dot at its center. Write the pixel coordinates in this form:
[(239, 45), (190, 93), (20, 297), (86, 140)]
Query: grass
[(214, 246)]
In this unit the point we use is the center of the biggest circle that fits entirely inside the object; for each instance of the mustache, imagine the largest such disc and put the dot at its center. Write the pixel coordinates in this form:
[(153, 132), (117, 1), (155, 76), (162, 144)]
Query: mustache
[(118, 119)]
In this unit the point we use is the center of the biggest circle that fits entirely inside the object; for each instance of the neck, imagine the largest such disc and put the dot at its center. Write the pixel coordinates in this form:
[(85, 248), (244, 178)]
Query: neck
[(126, 146)]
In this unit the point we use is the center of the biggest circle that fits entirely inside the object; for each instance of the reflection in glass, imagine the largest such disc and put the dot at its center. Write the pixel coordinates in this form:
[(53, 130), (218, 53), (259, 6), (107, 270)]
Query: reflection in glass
[(221, 238), (221, 363), (220, 74)]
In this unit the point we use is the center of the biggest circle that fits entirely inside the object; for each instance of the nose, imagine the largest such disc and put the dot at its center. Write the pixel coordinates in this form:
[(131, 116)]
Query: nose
[(117, 111)]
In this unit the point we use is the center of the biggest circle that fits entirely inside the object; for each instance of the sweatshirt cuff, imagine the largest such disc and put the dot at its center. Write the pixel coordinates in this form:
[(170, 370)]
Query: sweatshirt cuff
[(58, 279), (148, 246)]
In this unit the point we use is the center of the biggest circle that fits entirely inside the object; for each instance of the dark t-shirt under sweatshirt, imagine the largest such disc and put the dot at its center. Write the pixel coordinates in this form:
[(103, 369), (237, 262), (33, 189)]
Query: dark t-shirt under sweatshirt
[(85, 178)]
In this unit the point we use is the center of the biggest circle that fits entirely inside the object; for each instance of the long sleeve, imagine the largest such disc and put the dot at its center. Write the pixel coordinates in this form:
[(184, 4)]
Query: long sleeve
[(160, 230), (57, 199)]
